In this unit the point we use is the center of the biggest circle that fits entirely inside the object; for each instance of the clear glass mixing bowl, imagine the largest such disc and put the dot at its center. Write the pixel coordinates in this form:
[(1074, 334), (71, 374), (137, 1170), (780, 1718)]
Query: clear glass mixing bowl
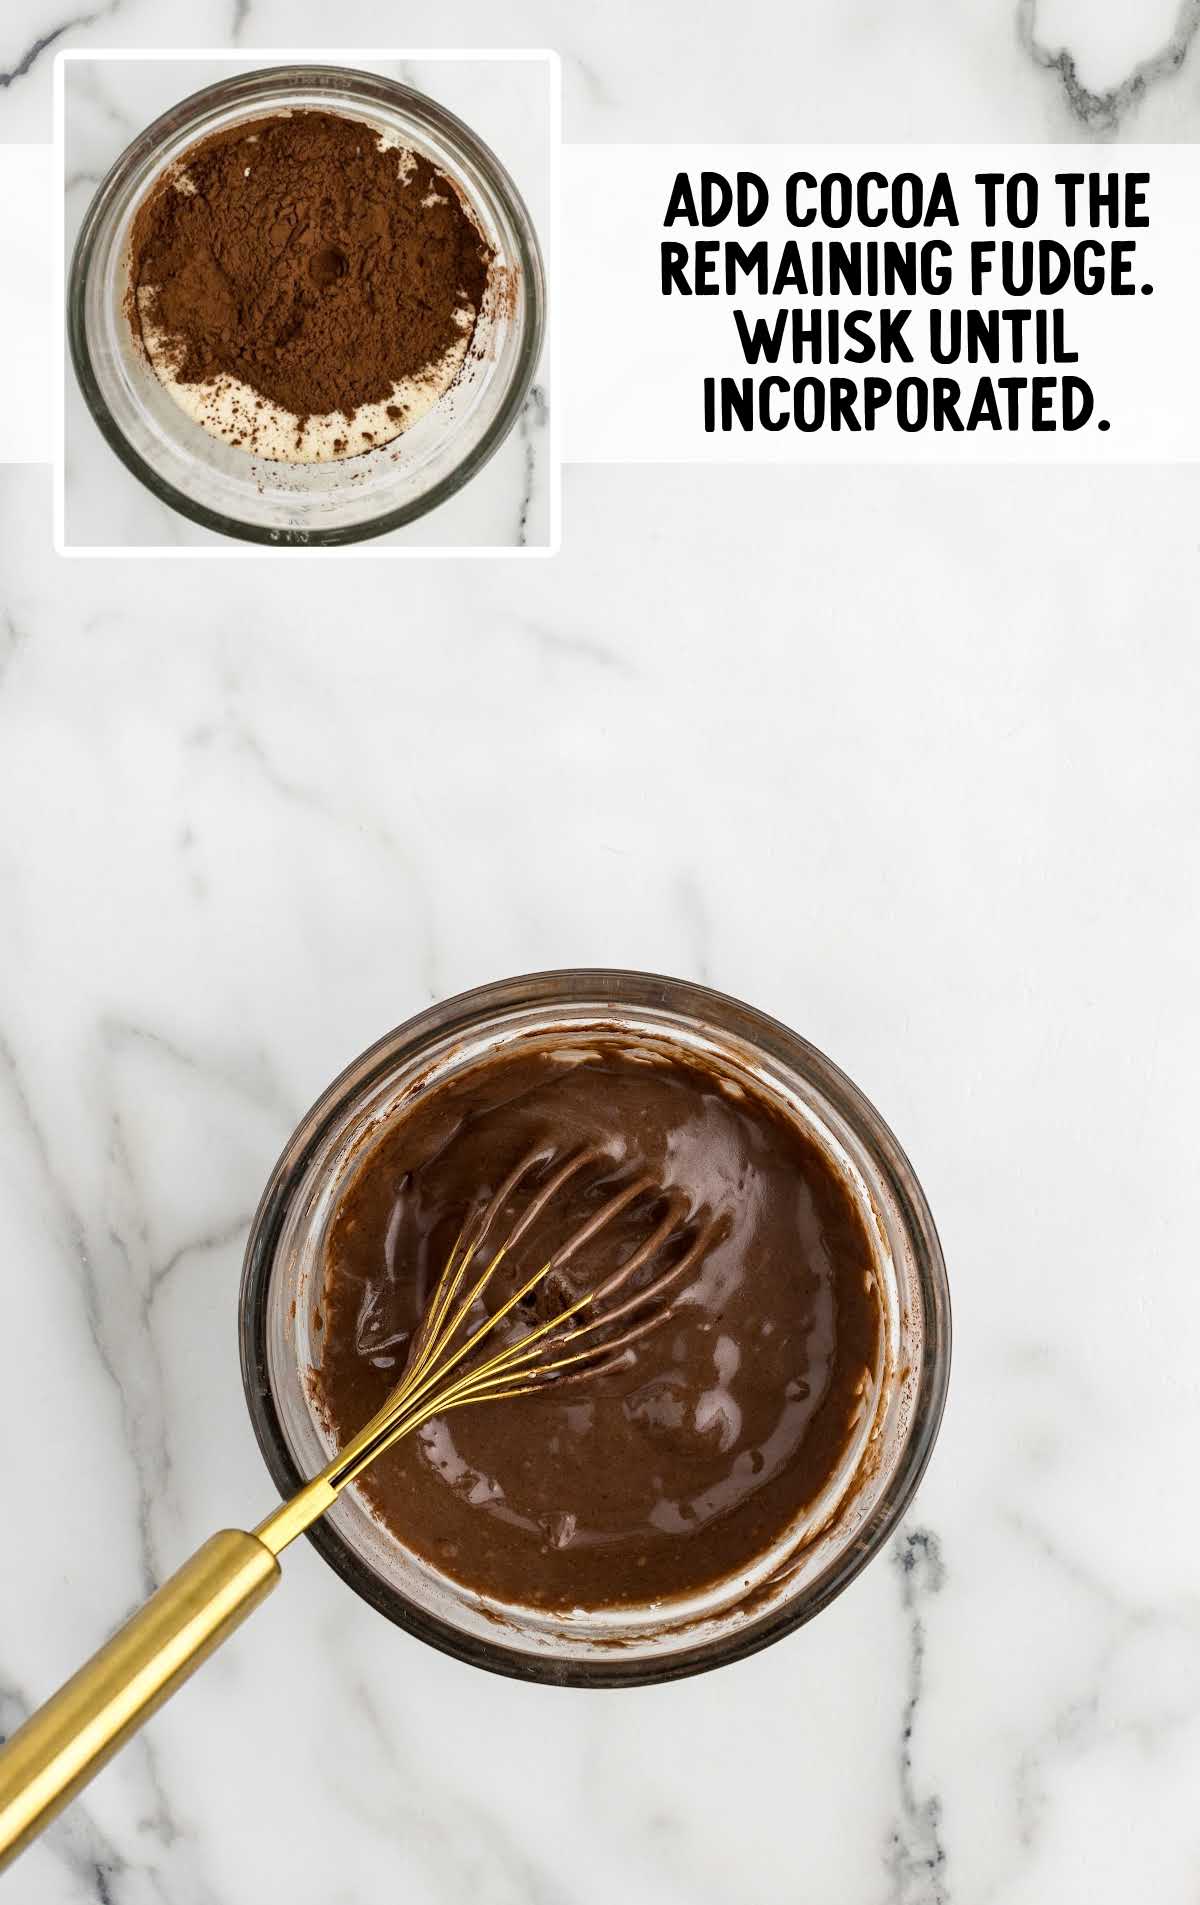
[(316, 504), (282, 1282)]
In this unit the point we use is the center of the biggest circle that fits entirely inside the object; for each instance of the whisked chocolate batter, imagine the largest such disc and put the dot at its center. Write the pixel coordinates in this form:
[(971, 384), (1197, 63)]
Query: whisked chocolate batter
[(684, 1465)]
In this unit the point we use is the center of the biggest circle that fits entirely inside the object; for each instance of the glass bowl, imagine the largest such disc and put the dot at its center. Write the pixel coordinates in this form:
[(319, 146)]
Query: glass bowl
[(282, 1282), (315, 504)]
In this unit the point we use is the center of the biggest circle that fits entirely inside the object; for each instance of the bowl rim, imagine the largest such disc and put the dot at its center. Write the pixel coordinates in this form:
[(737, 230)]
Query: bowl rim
[(600, 986), (346, 84)]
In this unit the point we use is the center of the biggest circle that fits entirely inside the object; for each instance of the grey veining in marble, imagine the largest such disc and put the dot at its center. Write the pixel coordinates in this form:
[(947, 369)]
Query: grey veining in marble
[(1105, 110), (990, 69)]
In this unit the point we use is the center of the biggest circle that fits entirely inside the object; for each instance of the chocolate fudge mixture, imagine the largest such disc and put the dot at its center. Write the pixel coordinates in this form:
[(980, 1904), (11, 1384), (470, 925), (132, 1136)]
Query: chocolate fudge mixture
[(298, 255), (686, 1463)]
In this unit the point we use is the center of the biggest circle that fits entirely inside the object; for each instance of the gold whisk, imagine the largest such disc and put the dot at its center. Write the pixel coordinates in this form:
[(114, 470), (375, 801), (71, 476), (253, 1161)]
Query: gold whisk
[(450, 1364)]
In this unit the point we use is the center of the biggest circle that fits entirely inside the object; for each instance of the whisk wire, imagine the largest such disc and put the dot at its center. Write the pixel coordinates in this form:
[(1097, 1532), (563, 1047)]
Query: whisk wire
[(436, 1330), (493, 1380), (437, 1380), (429, 1385)]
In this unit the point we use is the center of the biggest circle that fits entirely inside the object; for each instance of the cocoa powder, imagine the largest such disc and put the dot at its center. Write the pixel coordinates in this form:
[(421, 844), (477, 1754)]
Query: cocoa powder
[(298, 255)]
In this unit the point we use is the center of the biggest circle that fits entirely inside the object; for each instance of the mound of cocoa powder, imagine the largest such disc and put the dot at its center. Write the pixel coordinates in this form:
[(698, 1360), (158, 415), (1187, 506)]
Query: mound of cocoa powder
[(297, 254)]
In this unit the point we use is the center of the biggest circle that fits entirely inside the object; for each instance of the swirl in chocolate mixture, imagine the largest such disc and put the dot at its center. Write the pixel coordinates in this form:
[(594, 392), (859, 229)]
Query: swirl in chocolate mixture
[(690, 1461)]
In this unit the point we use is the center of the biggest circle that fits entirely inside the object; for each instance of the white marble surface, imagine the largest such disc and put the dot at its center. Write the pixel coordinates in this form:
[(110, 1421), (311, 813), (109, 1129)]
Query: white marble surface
[(984, 69), (107, 103), (907, 760)]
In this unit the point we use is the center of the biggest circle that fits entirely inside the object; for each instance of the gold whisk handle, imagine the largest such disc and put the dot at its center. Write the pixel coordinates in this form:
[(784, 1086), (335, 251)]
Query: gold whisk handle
[(61, 1745)]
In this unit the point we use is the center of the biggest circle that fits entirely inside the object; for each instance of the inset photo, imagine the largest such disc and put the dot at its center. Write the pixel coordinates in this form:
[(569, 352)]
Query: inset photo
[(305, 303)]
